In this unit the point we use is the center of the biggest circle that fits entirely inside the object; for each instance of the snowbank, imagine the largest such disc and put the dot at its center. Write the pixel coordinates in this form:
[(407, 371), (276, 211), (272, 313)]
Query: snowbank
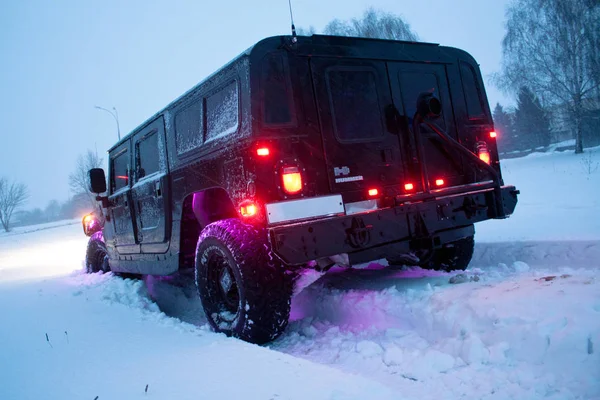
[(84, 336), (559, 200), (514, 333)]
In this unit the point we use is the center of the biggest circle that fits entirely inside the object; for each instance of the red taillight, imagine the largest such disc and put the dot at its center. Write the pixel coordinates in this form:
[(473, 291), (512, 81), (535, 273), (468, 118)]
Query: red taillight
[(262, 151), (373, 192), (408, 187), (493, 134), (292, 180), (248, 209), (439, 182)]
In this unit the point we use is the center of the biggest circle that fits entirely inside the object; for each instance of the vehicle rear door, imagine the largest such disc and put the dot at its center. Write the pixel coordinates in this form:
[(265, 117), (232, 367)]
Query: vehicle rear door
[(360, 150), (151, 188), (436, 162), (120, 199)]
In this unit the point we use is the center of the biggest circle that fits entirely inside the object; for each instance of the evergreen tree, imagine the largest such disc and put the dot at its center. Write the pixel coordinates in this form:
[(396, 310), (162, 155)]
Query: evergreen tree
[(504, 127), (531, 123)]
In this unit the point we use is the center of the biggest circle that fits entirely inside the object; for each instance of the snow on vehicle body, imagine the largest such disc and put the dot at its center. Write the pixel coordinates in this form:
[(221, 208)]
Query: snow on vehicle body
[(301, 154)]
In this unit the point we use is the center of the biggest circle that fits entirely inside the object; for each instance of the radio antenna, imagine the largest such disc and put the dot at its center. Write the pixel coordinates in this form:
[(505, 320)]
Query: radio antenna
[(294, 38)]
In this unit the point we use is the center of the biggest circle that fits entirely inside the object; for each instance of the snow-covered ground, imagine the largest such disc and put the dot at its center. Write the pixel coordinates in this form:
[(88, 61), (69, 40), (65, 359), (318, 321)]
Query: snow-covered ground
[(559, 198), (523, 324)]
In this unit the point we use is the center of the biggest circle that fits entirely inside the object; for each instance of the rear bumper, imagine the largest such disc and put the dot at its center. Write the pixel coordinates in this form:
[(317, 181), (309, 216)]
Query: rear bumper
[(389, 231)]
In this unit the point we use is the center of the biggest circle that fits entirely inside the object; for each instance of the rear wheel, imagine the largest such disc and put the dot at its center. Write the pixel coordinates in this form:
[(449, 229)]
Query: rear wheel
[(451, 257), (245, 290), (96, 256)]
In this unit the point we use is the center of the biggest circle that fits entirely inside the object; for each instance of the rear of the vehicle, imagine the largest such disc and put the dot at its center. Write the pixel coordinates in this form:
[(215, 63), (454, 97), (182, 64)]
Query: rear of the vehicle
[(358, 150), (371, 149)]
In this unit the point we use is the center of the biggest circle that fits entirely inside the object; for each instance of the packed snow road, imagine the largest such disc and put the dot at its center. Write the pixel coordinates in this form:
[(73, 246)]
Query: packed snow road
[(523, 322)]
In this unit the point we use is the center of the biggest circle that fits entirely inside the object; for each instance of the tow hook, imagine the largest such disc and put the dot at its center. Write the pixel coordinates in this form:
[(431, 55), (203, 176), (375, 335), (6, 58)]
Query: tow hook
[(359, 234)]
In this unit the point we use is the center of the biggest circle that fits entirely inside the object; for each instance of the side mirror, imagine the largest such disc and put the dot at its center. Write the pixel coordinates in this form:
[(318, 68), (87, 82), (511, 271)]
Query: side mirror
[(97, 180)]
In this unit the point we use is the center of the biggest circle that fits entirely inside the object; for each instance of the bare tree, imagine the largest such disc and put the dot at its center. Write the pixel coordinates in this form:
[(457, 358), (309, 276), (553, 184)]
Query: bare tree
[(12, 196), (550, 46), (78, 179), (306, 31), (375, 24)]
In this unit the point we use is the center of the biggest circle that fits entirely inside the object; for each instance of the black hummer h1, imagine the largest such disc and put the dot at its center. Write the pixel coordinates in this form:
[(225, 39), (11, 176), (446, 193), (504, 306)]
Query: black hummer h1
[(302, 154)]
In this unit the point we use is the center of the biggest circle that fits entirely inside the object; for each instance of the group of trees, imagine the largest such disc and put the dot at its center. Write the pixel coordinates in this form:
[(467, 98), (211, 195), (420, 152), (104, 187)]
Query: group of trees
[(374, 24), (552, 49), (13, 196), (526, 127), (74, 207)]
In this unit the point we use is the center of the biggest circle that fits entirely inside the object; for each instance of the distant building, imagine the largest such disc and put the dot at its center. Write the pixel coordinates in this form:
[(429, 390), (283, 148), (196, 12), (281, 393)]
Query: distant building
[(563, 127)]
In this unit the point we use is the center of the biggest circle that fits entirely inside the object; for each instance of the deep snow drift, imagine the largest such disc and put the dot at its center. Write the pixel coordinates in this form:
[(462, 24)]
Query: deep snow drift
[(523, 322)]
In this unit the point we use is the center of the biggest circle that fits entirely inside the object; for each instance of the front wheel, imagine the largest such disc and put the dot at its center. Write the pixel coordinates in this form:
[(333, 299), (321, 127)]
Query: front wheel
[(245, 290), (96, 256)]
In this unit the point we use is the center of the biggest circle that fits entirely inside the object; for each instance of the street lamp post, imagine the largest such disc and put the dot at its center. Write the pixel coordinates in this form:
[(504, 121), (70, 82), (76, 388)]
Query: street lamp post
[(115, 115)]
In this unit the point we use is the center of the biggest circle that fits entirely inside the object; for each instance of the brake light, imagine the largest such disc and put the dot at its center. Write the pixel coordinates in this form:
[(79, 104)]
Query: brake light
[(439, 182), (493, 134), (408, 187), (262, 151), (292, 180), (248, 209), (373, 192)]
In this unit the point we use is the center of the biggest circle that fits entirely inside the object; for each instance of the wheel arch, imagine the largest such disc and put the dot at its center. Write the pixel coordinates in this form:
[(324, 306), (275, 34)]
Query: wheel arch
[(199, 209)]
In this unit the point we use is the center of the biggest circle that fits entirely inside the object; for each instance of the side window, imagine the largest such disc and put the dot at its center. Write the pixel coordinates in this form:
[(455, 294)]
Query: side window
[(412, 85), (472, 92), (355, 104), (188, 128), (222, 110), (147, 154), (278, 104), (119, 171)]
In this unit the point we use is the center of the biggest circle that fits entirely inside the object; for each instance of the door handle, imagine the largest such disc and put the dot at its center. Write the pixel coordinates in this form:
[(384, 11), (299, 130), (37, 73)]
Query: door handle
[(158, 191)]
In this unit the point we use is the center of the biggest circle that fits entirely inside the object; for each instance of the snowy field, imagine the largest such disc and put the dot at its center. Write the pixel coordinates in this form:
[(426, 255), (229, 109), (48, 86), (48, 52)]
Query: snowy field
[(522, 323)]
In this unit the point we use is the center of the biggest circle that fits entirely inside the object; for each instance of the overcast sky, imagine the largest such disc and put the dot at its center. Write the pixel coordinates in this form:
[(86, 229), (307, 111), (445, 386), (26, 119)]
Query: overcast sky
[(60, 58)]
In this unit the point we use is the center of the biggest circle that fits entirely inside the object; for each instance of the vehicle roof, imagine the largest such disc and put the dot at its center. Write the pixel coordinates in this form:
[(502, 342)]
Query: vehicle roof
[(324, 45)]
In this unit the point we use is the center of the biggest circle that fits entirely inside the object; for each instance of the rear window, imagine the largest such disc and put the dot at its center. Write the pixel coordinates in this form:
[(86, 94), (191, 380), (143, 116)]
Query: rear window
[(120, 171), (188, 127), (222, 112), (472, 92), (415, 83), (277, 91), (355, 105)]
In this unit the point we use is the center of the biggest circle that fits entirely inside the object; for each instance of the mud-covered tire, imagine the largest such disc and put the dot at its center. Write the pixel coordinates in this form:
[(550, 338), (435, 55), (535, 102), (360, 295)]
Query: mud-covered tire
[(452, 256), (96, 256), (244, 288)]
